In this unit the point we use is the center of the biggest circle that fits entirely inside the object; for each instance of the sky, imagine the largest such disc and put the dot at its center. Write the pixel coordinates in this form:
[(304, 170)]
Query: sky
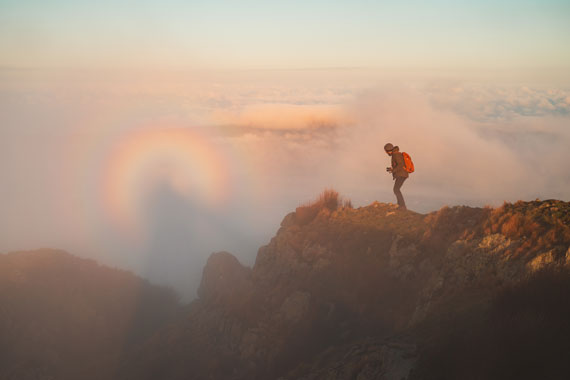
[(285, 34), (147, 135)]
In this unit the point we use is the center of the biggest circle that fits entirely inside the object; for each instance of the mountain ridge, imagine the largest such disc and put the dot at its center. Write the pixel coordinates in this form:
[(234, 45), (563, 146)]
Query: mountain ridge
[(333, 276), (67, 317), (342, 293)]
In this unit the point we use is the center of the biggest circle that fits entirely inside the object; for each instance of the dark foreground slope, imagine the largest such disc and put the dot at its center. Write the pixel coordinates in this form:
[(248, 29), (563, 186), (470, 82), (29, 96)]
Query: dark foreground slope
[(66, 318), (376, 293)]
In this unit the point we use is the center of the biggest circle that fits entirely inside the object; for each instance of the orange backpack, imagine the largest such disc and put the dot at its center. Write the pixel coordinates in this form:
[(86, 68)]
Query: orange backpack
[(408, 164)]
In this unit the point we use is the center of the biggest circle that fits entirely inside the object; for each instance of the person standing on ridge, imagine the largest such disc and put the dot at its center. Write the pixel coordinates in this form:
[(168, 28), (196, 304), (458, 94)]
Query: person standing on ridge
[(399, 172)]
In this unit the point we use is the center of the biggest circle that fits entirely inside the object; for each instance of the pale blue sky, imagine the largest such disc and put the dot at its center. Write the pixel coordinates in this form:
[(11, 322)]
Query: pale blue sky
[(285, 34)]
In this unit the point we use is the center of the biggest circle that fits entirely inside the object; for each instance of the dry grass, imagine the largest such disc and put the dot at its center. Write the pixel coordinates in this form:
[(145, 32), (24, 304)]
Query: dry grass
[(329, 200), (540, 225)]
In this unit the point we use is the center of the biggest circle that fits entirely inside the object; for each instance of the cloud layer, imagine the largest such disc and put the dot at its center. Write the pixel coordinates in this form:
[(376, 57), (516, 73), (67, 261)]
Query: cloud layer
[(285, 138)]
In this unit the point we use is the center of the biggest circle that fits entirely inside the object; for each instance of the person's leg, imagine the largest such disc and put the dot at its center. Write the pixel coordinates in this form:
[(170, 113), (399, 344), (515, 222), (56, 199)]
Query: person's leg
[(399, 196)]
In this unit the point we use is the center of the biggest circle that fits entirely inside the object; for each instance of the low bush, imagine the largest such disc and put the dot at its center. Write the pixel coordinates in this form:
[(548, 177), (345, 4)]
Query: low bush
[(329, 199)]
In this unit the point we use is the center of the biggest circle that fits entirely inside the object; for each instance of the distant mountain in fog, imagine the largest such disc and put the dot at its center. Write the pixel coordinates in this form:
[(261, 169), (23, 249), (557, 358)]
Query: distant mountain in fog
[(338, 293), (63, 317)]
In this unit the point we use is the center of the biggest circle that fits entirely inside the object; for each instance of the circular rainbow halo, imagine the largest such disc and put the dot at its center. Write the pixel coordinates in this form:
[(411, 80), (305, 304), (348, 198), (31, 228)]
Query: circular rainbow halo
[(186, 160)]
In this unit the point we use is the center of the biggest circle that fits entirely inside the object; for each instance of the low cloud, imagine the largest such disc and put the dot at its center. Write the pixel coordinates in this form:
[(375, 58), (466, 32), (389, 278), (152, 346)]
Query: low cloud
[(458, 159), (285, 141), (283, 116), (491, 103)]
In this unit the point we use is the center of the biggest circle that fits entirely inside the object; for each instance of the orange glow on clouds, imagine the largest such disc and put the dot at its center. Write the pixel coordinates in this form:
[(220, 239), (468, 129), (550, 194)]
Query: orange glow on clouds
[(188, 162), (284, 116)]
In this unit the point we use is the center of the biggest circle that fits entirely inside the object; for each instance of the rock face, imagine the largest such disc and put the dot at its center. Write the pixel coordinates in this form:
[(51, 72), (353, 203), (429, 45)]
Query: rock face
[(224, 280), (353, 293)]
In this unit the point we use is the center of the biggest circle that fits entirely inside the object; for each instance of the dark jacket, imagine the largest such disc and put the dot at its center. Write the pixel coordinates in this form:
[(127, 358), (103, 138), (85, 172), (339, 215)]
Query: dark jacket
[(398, 166)]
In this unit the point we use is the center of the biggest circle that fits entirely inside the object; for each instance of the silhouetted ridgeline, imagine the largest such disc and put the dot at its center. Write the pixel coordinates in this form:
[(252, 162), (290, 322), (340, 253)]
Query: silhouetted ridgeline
[(338, 293), (62, 317)]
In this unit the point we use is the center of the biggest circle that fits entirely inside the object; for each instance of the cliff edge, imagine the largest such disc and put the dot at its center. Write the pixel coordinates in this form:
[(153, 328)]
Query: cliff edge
[(378, 293)]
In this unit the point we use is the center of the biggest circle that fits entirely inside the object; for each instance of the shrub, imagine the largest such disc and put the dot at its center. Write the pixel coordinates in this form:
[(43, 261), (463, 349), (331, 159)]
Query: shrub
[(540, 225), (329, 199)]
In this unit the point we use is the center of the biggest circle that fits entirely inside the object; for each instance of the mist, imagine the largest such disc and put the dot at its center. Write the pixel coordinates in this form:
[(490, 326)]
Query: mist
[(282, 138)]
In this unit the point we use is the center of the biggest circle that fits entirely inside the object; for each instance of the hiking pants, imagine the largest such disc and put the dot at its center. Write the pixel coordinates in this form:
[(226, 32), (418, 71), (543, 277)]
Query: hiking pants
[(399, 196)]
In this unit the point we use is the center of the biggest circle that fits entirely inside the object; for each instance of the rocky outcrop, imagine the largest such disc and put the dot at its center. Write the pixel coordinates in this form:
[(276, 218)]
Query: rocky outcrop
[(225, 281), (369, 359), (333, 293)]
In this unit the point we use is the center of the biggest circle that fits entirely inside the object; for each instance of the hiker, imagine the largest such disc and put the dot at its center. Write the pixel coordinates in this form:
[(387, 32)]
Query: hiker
[(399, 172)]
